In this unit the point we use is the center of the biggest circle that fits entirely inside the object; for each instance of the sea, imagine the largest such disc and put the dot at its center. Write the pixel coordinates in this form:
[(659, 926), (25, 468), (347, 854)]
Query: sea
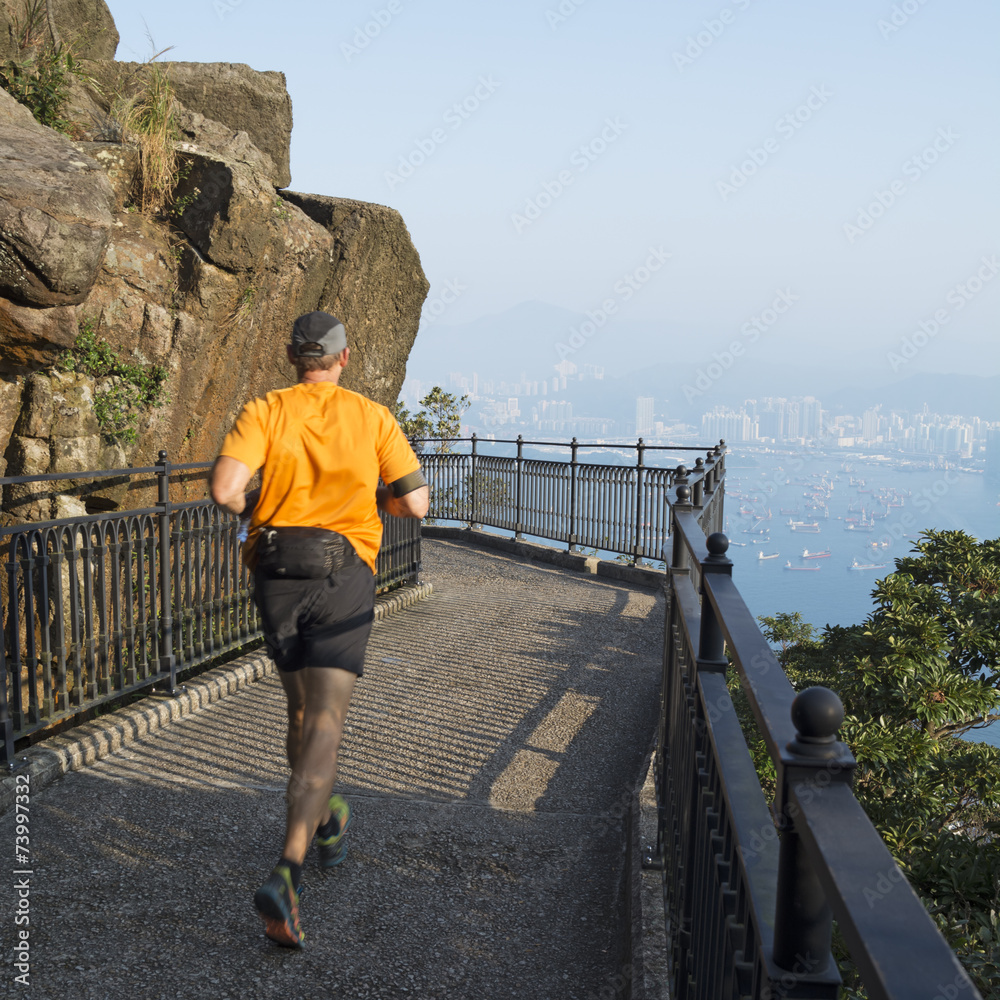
[(868, 512)]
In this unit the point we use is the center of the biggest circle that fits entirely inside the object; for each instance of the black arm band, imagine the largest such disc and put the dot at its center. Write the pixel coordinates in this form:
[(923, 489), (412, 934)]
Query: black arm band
[(408, 483)]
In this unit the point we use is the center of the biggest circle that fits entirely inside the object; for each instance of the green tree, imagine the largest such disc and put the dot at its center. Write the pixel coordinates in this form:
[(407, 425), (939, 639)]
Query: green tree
[(922, 670), (440, 417)]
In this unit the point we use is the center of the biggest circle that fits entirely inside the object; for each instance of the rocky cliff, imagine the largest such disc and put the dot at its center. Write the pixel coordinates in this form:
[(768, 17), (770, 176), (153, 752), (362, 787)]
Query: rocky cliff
[(205, 284)]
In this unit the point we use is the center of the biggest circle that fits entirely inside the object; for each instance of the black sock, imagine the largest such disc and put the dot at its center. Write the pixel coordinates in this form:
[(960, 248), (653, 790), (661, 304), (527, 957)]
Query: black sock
[(329, 829), (294, 870)]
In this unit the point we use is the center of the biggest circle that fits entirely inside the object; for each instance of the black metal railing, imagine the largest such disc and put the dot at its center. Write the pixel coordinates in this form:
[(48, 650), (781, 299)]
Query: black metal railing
[(99, 606), (619, 508), (750, 891)]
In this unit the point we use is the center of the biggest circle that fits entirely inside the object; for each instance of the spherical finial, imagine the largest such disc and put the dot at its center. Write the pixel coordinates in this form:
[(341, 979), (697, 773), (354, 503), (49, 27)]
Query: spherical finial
[(817, 714), (683, 494), (699, 464), (717, 543), (681, 471), (162, 457)]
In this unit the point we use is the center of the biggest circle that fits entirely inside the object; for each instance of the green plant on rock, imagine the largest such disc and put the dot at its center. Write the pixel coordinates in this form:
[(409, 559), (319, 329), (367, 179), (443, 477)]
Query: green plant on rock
[(146, 115), (130, 389), (38, 75), (281, 210), (243, 313)]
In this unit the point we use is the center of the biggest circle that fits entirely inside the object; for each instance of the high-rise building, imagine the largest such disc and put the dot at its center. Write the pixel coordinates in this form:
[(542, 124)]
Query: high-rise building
[(993, 456), (644, 415)]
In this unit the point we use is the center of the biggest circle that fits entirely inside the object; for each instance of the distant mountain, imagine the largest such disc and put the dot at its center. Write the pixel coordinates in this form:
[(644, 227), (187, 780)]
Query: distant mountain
[(525, 338), (964, 395), (686, 391), (679, 366)]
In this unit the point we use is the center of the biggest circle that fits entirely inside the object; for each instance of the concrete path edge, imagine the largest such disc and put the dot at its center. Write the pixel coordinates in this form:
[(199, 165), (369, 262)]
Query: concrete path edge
[(636, 576), (92, 741)]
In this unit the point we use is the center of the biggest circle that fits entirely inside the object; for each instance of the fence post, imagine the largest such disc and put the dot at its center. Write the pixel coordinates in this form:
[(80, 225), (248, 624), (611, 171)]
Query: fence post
[(573, 446), (699, 483), (720, 483), (518, 523), (711, 643), (168, 662), (5, 720), (803, 918), (679, 553), (472, 486), (639, 470)]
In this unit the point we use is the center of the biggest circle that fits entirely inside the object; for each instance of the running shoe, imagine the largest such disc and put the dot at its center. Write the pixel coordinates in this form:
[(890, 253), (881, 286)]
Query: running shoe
[(277, 902), (333, 850)]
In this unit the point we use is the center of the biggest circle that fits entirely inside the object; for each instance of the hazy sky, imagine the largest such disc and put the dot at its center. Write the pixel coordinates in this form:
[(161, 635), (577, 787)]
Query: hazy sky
[(841, 158)]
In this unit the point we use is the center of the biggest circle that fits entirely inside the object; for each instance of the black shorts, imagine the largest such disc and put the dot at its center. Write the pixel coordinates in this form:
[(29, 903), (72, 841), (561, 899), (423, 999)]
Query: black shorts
[(318, 623)]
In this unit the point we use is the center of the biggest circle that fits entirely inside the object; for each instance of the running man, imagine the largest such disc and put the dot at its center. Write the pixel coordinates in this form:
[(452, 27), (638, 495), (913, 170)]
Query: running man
[(314, 533)]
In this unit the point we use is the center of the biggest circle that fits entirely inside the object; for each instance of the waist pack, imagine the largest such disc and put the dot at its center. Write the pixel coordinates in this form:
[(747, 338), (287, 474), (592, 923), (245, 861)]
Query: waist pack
[(301, 553)]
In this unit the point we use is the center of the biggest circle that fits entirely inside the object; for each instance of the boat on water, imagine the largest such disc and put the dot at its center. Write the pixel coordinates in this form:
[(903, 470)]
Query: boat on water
[(825, 554), (810, 528), (802, 569), (861, 566), (772, 555)]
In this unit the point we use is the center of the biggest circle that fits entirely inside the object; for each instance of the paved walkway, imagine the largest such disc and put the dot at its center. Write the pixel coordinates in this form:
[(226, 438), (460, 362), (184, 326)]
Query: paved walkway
[(490, 749)]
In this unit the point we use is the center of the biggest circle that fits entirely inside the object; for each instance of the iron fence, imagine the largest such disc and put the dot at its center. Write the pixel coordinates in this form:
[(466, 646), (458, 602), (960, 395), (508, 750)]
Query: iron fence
[(621, 508), (100, 606), (750, 891)]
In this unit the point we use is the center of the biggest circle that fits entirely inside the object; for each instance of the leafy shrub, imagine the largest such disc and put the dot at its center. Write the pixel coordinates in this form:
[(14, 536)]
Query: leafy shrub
[(38, 76), (131, 389)]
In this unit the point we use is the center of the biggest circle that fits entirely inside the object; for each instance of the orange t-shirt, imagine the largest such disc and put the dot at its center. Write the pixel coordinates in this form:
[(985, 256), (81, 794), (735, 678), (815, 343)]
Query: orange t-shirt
[(323, 449)]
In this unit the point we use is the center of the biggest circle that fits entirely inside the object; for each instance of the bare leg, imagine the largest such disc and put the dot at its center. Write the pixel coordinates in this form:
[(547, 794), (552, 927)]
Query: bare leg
[(318, 700)]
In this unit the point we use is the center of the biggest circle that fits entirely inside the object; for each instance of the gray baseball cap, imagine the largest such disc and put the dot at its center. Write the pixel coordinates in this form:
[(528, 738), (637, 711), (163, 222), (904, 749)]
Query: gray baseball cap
[(317, 334)]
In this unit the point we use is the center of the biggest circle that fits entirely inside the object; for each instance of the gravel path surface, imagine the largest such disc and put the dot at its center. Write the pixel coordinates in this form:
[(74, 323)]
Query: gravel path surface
[(489, 754)]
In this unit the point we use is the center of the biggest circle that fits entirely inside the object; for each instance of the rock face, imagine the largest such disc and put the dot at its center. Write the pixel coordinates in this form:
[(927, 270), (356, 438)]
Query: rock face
[(86, 26), (209, 289), (241, 98), (376, 287), (56, 431), (55, 214)]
